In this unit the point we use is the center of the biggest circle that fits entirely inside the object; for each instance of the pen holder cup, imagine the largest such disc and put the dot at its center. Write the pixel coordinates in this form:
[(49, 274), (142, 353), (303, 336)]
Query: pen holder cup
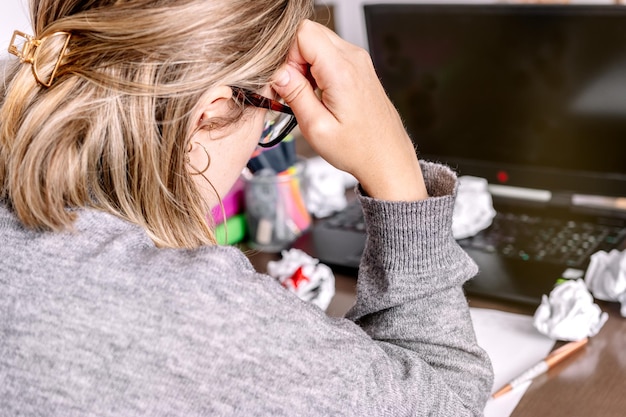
[(276, 211)]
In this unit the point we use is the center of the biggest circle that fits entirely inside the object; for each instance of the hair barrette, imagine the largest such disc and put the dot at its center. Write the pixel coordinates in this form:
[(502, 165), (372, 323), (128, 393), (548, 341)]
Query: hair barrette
[(27, 48)]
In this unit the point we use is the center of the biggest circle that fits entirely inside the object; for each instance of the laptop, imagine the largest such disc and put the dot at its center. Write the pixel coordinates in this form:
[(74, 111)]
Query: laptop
[(531, 98)]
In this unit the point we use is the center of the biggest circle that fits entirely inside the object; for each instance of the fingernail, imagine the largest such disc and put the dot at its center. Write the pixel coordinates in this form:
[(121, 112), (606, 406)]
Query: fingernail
[(282, 78)]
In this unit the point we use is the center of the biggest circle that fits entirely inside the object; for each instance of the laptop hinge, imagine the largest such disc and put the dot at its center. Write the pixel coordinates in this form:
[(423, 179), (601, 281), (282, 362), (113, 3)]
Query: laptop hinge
[(600, 202), (520, 193), (555, 199)]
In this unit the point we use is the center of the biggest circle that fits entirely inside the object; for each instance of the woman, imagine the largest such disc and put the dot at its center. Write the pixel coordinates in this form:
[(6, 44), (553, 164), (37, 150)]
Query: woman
[(122, 123)]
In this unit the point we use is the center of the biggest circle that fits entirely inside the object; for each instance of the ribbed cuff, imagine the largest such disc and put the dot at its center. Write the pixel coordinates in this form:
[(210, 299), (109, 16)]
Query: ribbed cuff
[(413, 236)]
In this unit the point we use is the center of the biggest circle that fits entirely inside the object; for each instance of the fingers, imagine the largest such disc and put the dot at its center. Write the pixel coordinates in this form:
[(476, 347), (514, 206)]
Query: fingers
[(351, 122), (304, 72), (311, 64), (297, 75), (305, 53), (298, 92)]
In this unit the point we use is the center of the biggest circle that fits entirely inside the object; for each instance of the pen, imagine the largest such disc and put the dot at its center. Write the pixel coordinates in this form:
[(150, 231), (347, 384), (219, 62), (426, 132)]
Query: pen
[(551, 360)]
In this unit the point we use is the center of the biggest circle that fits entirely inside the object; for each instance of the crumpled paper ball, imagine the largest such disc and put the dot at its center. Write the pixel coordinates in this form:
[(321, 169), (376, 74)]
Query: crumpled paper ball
[(606, 277), (305, 276), (326, 187), (569, 313), (473, 207)]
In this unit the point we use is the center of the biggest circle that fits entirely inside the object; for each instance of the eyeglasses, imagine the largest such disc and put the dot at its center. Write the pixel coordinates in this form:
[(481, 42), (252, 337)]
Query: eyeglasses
[(279, 121)]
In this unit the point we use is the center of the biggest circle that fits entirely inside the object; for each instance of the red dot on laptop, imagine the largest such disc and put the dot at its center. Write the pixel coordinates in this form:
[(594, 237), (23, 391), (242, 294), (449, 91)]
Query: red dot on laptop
[(502, 176)]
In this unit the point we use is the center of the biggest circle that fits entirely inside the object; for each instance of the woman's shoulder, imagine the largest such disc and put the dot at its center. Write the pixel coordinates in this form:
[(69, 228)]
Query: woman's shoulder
[(101, 243)]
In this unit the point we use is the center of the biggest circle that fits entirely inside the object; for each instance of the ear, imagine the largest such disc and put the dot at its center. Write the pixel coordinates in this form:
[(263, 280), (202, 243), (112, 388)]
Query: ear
[(213, 103)]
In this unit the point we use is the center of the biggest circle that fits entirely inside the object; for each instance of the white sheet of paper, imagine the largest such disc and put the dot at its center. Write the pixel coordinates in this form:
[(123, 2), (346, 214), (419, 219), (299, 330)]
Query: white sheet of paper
[(513, 345)]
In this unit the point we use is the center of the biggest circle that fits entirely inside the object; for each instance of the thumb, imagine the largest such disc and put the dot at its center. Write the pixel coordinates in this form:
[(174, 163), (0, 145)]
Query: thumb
[(298, 93)]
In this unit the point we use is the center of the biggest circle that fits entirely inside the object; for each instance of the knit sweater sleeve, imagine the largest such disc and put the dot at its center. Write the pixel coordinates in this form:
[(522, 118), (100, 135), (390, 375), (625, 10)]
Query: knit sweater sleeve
[(410, 299)]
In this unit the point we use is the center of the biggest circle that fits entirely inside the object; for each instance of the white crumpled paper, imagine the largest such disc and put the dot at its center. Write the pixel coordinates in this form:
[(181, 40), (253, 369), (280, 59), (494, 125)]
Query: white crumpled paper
[(569, 313), (473, 207), (305, 276), (326, 187), (606, 277)]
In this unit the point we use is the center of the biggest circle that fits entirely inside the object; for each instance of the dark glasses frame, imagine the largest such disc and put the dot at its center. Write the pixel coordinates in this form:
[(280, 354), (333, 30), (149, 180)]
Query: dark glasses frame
[(251, 98)]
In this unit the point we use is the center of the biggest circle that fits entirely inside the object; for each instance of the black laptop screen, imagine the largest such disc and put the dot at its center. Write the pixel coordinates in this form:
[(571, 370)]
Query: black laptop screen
[(531, 96)]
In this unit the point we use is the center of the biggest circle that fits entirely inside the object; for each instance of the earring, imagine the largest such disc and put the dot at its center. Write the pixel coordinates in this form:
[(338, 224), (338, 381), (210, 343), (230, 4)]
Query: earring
[(208, 157)]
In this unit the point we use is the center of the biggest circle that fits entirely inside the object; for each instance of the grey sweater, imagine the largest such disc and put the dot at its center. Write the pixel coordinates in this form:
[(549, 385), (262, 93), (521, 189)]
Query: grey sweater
[(100, 322)]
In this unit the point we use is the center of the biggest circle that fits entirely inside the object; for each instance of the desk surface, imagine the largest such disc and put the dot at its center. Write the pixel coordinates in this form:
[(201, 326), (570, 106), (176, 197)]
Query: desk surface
[(591, 384)]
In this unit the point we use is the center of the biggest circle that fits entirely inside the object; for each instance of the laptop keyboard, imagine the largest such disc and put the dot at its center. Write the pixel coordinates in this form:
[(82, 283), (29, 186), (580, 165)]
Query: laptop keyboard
[(350, 218), (533, 238), (522, 236)]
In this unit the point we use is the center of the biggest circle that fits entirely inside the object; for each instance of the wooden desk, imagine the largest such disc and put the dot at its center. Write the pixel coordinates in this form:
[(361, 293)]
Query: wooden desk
[(591, 384)]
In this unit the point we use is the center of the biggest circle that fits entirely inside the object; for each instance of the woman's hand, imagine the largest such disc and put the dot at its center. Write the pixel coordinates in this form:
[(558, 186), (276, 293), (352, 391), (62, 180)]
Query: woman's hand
[(350, 122)]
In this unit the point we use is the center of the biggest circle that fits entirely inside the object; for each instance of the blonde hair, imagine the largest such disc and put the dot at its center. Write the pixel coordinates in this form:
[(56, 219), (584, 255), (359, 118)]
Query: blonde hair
[(112, 131)]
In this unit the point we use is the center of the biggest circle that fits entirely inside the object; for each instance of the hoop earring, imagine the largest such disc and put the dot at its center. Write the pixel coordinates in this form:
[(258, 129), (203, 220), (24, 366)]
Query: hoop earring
[(208, 157)]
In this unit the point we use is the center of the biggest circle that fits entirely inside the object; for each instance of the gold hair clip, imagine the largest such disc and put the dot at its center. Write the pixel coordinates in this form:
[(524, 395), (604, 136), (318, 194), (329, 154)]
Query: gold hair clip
[(27, 47)]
